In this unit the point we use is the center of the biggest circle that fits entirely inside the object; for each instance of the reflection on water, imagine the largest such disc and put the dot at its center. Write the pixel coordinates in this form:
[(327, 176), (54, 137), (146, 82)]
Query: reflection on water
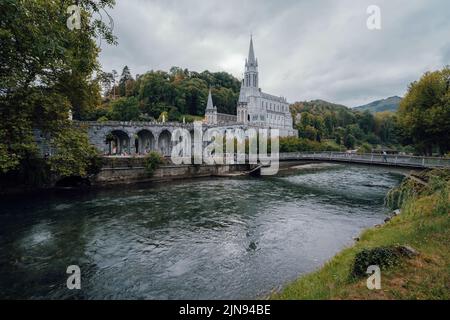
[(201, 239)]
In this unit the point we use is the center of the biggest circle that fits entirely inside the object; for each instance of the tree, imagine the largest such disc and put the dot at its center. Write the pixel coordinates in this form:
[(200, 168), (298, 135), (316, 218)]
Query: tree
[(386, 127), (46, 72), (424, 112), (349, 141), (115, 89), (126, 83), (125, 109), (179, 92), (366, 121), (308, 132), (74, 155), (106, 80)]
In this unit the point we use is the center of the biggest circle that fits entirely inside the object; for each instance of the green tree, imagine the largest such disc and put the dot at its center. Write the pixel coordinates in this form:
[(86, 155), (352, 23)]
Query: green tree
[(74, 155), (155, 93), (125, 109), (366, 122), (349, 141), (424, 112), (46, 71), (126, 83)]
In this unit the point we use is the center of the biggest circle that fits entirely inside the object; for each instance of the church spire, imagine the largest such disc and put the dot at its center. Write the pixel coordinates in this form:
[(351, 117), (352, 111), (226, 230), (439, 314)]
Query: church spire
[(251, 53), (251, 68), (209, 105)]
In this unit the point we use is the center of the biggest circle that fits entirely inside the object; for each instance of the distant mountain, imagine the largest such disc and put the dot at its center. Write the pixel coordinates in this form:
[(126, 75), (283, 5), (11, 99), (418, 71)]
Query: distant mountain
[(388, 104)]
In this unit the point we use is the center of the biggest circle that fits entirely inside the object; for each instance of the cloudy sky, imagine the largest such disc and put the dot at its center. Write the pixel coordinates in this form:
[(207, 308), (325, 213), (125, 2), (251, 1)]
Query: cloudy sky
[(306, 49)]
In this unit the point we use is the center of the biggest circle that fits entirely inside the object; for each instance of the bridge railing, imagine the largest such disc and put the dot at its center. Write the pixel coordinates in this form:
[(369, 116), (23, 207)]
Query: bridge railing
[(400, 160)]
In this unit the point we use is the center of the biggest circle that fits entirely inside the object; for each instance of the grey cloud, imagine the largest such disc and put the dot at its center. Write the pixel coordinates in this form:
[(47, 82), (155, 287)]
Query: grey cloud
[(306, 49)]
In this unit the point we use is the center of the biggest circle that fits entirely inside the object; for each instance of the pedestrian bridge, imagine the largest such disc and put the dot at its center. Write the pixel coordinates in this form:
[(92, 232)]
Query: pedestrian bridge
[(369, 158)]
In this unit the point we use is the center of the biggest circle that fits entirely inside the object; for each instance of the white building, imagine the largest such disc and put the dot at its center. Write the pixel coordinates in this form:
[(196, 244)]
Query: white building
[(255, 108)]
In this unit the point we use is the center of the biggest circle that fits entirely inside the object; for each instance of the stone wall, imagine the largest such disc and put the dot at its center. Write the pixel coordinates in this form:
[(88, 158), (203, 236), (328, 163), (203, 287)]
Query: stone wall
[(134, 138), (132, 170)]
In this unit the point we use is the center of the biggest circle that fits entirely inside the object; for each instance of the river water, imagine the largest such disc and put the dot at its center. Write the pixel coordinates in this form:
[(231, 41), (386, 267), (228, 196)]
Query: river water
[(228, 238)]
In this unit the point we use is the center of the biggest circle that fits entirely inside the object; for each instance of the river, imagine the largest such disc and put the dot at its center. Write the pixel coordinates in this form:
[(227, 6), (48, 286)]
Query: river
[(226, 238)]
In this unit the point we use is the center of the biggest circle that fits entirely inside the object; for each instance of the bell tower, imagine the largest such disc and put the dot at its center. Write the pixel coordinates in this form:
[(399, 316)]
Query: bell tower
[(251, 77)]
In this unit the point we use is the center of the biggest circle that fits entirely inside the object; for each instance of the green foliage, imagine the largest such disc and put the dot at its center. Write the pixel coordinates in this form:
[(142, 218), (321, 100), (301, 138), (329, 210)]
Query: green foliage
[(349, 141), (74, 155), (124, 109), (323, 120), (126, 83), (384, 257), (189, 118), (103, 119), (365, 148), (46, 71), (424, 113), (294, 144), (177, 92), (153, 161), (436, 182)]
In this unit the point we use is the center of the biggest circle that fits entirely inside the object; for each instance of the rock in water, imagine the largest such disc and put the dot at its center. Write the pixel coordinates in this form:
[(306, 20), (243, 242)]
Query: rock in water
[(252, 246)]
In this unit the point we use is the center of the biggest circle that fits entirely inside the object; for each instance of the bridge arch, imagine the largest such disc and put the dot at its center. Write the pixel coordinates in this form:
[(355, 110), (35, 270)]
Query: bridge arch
[(145, 142), (118, 142)]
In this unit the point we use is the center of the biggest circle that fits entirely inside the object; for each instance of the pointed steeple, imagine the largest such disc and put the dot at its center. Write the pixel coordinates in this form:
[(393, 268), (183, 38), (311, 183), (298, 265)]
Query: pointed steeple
[(251, 53), (210, 105)]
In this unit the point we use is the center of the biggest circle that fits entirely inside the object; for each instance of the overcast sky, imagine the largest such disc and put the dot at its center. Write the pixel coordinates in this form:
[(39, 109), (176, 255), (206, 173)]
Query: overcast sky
[(306, 49)]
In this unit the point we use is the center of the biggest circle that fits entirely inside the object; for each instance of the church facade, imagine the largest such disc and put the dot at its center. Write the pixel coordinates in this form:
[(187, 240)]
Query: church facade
[(255, 108)]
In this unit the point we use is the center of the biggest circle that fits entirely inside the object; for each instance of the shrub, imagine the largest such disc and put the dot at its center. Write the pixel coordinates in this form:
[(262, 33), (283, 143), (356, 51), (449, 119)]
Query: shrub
[(152, 162), (384, 257), (365, 148), (74, 155), (103, 119)]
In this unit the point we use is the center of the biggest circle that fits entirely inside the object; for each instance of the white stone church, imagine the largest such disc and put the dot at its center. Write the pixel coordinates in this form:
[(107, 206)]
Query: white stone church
[(255, 108)]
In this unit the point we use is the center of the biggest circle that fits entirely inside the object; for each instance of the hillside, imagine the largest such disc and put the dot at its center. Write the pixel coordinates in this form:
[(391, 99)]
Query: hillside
[(317, 107), (388, 104)]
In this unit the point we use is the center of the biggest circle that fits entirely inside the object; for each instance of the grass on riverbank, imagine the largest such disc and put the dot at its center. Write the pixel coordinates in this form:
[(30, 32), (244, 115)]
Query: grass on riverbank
[(424, 224)]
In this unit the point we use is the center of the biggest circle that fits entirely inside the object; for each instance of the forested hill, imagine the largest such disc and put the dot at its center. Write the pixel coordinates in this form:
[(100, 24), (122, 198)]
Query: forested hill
[(177, 94), (317, 107), (388, 104), (318, 120)]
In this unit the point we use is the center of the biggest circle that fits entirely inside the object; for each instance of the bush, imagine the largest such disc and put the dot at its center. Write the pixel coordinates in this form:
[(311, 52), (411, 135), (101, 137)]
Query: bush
[(384, 257), (103, 119), (349, 141), (125, 109), (152, 162), (365, 148), (74, 155), (294, 144)]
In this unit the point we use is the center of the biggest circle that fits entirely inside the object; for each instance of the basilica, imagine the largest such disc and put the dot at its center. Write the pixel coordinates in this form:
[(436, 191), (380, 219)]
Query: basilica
[(255, 108)]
